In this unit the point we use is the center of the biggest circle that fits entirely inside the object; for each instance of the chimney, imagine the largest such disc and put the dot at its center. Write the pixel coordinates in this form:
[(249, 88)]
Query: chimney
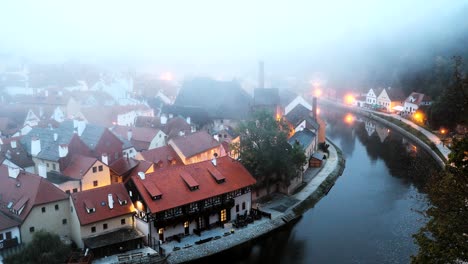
[(105, 158), (129, 134), (63, 150), (79, 126), (193, 129), (55, 136), (216, 137), (13, 144), (110, 201), (163, 119), (181, 133), (314, 108), (261, 75), (35, 146), (214, 161), (171, 115), (141, 174), (13, 172), (188, 120)]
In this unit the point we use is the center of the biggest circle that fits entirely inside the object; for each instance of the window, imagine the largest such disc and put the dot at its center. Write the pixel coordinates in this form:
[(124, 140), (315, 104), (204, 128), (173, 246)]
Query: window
[(93, 229), (67, 191), (95, 183), (104, 226), (1, 236), (47, 163), (8, 235), (64, 221), (100, 168), (122, 221), (31, 229), (243, 205), (237, 208), (223, 215), (94, 169), (43, 209), (54, 167), (75, 190), (56, 207)]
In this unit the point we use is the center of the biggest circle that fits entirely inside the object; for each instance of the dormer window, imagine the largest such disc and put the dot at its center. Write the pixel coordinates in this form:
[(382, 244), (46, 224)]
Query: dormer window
[(190, 181), (90, 208), (153, 191), (217, 176), (122, 200)]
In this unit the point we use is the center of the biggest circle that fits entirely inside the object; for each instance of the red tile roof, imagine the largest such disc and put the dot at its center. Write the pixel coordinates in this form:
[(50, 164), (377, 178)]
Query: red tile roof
[(175, 191), (419, 98), (79, 166), (29, 189), (144, 134), (123, 165), (195, 143), (98, 198), (8, 221), (162, 156)]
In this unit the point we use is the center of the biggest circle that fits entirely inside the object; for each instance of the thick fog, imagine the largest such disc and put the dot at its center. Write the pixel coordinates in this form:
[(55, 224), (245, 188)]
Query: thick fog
[(297, 38)]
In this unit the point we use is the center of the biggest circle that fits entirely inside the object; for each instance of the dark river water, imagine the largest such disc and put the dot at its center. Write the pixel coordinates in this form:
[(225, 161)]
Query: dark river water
[(370, 214)]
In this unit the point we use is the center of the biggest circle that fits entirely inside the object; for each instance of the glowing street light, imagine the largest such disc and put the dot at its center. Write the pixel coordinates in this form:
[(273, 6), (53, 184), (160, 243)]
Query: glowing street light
[(349, 99), (418, 116), (317, 92)]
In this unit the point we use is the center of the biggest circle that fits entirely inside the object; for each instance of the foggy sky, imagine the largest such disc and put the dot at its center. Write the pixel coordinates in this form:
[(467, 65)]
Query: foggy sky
[(221, 33)]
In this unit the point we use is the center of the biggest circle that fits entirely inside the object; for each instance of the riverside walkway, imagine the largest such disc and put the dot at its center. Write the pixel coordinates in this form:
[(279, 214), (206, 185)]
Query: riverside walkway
[(282, 208)]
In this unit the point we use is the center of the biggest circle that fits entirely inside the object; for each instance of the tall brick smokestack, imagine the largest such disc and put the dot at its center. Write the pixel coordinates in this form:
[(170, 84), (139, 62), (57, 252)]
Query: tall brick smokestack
[(261, 75), (314, 108)]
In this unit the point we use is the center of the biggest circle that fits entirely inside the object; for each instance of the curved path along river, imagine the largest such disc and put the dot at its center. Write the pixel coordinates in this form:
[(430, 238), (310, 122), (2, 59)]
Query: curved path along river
[(370, 214)]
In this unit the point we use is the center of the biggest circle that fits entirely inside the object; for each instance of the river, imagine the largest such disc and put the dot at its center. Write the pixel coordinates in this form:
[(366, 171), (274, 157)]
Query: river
[(370, 214)]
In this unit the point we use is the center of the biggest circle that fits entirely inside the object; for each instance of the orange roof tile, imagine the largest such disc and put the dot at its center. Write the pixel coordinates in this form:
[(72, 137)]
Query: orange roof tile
[(175, 191), (98, 199), (193, 144), (27, 189)]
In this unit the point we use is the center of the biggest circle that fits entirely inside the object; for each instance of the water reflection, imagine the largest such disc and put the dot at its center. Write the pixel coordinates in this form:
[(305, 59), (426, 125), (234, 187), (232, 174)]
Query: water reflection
[(370, 214)]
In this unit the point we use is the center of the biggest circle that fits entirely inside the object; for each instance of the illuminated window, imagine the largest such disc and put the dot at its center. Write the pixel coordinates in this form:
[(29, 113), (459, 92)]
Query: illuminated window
[(160, 231), (186, 224), (223, 215)]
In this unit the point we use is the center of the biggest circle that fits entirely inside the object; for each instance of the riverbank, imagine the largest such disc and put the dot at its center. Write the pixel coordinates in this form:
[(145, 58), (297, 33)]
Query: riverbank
[(283, 209), (375, 116)]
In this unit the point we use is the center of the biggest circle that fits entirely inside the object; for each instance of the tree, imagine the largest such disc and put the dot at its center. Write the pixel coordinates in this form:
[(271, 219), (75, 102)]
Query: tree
[(444, 239), (264, 150), (44, 248), (451, 108)]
